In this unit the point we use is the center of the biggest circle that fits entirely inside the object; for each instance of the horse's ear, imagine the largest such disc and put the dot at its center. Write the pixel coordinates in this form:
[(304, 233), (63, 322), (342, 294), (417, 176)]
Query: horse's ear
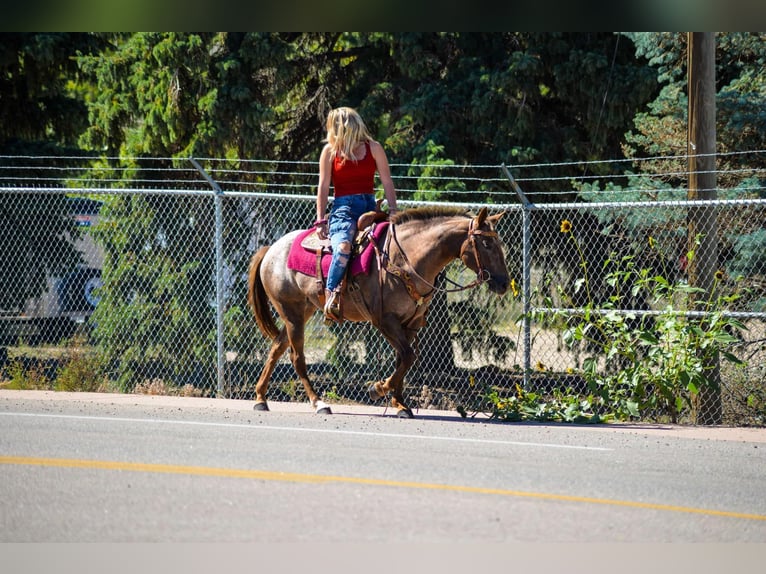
[(481, 217), (493, 219)]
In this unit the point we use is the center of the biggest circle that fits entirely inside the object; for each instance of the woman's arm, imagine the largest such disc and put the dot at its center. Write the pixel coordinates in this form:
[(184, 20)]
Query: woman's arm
[(323, 189), (384, 172)]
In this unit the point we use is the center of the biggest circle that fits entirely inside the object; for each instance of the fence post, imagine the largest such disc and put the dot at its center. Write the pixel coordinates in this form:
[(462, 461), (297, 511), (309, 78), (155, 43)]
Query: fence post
[(218, 199), (526, 280)]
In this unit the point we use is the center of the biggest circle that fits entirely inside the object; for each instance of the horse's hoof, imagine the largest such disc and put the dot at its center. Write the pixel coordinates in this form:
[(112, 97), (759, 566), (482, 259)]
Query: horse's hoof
[(260, 407), (322, 408), (405, 414)]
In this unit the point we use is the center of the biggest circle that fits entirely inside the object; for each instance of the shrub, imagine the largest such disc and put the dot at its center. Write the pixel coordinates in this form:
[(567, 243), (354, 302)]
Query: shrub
[(635, 367)]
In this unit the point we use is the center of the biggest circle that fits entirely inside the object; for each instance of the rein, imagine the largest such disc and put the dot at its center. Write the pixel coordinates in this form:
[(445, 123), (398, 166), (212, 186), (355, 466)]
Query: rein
[(482, 274)]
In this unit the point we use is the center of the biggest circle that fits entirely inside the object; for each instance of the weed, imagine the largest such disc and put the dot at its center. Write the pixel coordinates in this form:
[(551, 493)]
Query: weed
[(30, 377), (81, 370), (158, 386)]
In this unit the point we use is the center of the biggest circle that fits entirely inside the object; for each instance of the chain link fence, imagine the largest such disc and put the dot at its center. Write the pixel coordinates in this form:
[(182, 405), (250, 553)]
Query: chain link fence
[(132, 278)]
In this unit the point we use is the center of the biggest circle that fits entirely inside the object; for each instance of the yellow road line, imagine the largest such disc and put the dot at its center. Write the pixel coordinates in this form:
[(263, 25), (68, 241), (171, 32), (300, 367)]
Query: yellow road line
[(314, 478)]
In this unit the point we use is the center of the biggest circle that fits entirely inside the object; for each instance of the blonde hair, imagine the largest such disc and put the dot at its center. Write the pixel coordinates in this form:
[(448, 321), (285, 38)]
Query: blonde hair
[(345, 131)]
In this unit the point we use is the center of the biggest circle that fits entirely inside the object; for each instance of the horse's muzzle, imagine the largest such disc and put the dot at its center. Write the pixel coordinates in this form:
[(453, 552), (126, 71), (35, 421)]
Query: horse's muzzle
[(498, 284)]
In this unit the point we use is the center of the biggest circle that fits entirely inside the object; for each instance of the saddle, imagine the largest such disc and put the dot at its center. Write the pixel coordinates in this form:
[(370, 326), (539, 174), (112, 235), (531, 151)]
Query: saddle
[(360, 262), (311, 256), (311, 242)]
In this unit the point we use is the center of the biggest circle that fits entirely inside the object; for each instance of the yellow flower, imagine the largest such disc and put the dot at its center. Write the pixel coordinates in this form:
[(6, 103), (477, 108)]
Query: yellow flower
[(566, 226), (719, 275), (652, 242), (540, 366), (514, 288)]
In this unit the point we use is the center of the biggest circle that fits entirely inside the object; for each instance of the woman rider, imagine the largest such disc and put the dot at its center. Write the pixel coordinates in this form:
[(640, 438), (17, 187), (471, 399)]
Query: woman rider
[(349, 160)]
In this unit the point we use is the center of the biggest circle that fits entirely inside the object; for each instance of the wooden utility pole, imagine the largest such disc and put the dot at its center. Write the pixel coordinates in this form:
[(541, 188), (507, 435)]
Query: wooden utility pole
[(703, 220)]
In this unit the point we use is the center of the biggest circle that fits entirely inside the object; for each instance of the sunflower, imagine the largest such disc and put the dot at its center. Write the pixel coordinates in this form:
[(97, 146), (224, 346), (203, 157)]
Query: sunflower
[(566, 226)]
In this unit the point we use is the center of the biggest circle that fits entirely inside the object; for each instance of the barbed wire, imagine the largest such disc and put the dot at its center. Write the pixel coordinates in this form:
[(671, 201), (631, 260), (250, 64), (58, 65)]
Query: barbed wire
[(426, 180), (685, 157)]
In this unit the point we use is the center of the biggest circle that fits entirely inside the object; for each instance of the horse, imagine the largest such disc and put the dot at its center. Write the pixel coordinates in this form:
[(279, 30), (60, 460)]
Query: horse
[(393, 296)]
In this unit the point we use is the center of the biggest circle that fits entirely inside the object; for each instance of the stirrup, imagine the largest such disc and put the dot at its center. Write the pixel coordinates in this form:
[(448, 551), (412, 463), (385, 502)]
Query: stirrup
[(332, 307)]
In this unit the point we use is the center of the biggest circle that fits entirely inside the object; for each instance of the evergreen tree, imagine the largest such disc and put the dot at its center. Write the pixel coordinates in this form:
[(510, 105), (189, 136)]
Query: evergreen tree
[(661, 131), (41, 115)]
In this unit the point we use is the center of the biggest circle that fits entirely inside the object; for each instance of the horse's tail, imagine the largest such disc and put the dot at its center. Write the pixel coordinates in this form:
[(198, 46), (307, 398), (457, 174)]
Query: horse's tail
[(257, 298)]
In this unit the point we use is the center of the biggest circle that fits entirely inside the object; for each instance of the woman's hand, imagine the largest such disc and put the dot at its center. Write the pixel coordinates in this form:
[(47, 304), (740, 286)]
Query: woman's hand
[(321, 227)]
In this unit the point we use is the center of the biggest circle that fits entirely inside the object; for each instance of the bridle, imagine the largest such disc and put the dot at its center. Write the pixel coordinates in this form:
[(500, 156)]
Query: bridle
[(482, 274)]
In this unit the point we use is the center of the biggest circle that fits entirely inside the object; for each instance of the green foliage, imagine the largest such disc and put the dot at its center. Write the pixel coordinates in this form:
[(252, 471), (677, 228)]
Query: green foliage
[(431, 177), (635, 368), (749, 394), (155, 317), (149, 85), (654, 366), (560, 405), (750, 249), (41, 114), (81, 369), (741, 240), (475, 97), (514, 97), (77, 368), (441, 98), (740, 102), (31, 378)]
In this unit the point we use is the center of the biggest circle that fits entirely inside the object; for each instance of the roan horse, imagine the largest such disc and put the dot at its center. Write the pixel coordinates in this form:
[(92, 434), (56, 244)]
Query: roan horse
[(394, 296)]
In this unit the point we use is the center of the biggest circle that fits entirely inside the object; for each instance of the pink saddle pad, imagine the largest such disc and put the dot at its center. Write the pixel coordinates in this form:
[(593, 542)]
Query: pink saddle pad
[(305, 260)]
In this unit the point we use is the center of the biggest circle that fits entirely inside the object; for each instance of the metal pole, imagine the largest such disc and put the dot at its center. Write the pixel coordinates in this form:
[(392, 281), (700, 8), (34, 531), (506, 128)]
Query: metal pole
[(218, 198), (526, 239)]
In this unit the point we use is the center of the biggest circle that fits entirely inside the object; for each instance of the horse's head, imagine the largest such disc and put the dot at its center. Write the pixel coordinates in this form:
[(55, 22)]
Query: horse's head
[(483, 254)]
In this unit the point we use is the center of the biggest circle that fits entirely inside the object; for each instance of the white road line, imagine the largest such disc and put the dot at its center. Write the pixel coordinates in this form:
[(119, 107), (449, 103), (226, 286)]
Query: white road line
[(308, 430)]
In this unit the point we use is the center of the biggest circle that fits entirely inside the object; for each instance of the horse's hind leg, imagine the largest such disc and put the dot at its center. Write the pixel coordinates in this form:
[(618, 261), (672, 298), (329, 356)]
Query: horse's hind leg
[(299, 362), (278, 347), (295, 332)]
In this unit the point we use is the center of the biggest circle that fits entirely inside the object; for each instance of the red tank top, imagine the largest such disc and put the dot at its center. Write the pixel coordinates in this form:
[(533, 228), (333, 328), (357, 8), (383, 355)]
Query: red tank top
[(350, 177)]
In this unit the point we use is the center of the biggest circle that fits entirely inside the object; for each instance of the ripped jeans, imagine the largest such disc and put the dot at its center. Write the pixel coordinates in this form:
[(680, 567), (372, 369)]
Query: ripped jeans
[(344, 214)]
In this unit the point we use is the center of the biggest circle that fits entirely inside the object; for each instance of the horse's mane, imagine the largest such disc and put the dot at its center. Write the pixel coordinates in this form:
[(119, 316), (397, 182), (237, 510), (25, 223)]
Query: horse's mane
[(428, 212)]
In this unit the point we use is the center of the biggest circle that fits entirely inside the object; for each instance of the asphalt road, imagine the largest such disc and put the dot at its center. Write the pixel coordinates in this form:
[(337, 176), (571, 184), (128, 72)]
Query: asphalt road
[(128, 468)]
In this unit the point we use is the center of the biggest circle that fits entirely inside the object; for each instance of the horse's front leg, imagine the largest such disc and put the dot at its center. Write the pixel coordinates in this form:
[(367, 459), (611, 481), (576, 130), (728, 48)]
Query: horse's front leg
[(401, 341)]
